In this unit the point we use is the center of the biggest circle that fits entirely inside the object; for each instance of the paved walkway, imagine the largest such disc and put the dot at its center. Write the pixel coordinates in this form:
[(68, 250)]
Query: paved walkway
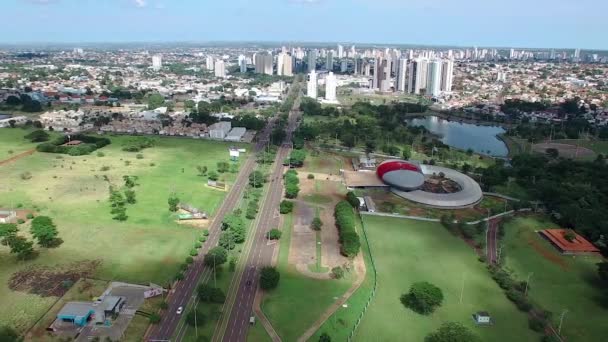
[(262, 317)]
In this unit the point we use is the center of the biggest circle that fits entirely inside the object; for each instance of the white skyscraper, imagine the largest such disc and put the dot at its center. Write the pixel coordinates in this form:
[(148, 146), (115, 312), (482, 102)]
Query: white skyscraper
[(330, 87), (382, 74), (312, 60), (157, 62), (401, 75), (243, 63), (312, 85), (280, 64), (340, 51), (220, 69), (263, 63), (284, 64), (417, 74), (329, 61), (447, 74), (433, 86), (210, 63)]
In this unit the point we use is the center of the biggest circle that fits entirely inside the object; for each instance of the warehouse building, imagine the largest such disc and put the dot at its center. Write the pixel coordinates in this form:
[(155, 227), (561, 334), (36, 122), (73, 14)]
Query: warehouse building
[(220, 130), (236, 134)]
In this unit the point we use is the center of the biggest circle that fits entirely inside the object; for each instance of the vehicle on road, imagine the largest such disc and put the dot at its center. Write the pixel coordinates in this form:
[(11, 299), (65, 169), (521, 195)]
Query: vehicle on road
[(252, 320), (180, 310), (248, 283)]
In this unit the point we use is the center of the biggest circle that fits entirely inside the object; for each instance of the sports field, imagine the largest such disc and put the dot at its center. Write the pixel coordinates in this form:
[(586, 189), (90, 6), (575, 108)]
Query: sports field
[(148, 247), (407, 251), (558, 282)]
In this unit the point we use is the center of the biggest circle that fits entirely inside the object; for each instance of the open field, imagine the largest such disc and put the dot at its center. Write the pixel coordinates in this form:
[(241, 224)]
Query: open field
[(346, 97), (558, 282), (12, 142), (407, 251), (148, 247), (298, 301)]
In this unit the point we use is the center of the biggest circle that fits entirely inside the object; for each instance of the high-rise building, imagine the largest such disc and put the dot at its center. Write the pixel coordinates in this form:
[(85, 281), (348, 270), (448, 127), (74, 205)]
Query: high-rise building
[(284, 64), (157, 62), (312, 60), (220, 69), (311, 89), (263, 63), (330, 87), (343, 65), (340, 51), (417, 73), (210, 63), (512, 54), (242, 63), (382, 74), (447, 74), (433, 86), (329, 61), (401, 75)]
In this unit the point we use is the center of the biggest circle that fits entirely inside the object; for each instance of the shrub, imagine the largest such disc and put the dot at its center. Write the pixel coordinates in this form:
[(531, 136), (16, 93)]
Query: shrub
[(139, 156), (274, 234), (189, 260), (202, 239), (311, 176), (194, 252), (26, 175), (179, 276), (20, 221), (104, 168), (352, 199), (286, 207), (345, 222), (29, 216), (316, 224), (198, 245), (100, 154), (337, 272), (163, 305), (206, 232), (537, 324), (154, 318)]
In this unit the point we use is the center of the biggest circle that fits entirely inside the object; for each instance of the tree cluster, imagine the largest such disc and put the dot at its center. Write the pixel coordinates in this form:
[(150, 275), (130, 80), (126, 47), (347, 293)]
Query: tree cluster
[(423, 298), (88, 145), (345, 222), (44, 230), (233, 227), (292, 184), (138, 144), (19, 245), (269, 278), (286, 207)]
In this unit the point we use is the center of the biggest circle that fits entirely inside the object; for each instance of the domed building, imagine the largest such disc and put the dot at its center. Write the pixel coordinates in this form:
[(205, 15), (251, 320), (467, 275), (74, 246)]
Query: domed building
[(401, 174)]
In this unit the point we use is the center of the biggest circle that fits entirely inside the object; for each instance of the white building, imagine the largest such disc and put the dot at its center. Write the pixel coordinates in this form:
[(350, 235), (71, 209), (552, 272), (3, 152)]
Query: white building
[(157, 62), (312, 85), (263, 63), (417, 76), (447, 75), (330, 87), (243, 63), (340, 51), (210, 63), (284, 64), (220, 130), (433, 86), (220, 69), (236, 134), (402, 75)]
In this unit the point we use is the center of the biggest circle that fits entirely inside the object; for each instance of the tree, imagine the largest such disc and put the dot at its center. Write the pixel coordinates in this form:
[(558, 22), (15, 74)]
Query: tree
[(316, 223), (7, 334), (257, 179), (44, 230), (352, 199), (37, 136), (154, 318), (274, 234), (6, 231), (406, 153), (297, 157), (337, 272), (155, 101), (196, 317), (292, 191), (216, 256), (570, 235), (269, 278), (130, 196), (423, 298), (286, 207), (324, 337), (173, 203), (213, 176), (21, 246), (223, 167), (452, 332), (210, 294), (202, 170)]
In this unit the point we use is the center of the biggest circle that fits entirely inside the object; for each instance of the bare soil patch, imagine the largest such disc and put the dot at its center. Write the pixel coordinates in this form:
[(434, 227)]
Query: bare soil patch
[(49, 281), (17, 157)]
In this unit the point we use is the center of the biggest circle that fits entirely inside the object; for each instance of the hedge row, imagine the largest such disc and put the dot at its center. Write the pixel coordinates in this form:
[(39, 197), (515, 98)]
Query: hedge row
[(345, 222), (89, 144)]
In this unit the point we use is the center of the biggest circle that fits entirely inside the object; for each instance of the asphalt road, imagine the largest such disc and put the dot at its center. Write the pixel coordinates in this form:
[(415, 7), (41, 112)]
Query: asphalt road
[(184, 290), (491, 241)]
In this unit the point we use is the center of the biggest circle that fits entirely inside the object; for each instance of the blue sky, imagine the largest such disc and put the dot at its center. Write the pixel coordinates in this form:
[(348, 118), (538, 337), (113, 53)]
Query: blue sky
[(519, 23)]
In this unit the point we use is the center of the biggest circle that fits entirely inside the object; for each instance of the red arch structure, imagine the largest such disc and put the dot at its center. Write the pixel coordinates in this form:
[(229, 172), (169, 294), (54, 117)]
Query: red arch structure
[(394, 165)]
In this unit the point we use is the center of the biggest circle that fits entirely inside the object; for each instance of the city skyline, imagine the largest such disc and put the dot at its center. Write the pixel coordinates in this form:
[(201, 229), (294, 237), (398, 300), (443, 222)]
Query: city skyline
[(472, 23)]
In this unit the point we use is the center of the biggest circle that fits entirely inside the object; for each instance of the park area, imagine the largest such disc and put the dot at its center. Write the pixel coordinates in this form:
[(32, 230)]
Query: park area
[(407, 251), (74, 190), (557, 282)]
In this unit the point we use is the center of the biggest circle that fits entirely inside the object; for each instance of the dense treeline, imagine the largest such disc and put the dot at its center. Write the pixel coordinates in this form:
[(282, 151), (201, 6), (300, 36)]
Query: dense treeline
[(362, 124), (575, 193), (88, 145), (345, 222)]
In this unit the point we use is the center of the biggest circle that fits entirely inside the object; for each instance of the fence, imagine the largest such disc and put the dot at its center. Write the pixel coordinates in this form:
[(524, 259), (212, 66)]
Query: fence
[(373, 294)]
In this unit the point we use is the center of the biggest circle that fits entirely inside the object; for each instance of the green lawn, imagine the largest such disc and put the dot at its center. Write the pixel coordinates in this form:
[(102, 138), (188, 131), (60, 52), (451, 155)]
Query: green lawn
[(558, 282), (407, 251), (72, 190), (257, 333), (298, 301), (12, 142)]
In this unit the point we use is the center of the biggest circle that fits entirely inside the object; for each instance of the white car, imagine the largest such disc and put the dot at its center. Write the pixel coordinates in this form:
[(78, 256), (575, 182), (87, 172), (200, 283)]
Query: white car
[(180, 310)]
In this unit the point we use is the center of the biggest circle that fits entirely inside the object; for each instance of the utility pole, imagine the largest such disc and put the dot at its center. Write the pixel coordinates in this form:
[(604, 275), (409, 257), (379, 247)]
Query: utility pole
[(462, 290), (214, 278), (561, 320)]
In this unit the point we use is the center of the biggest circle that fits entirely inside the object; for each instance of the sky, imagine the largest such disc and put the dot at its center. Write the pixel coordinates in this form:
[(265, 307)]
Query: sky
[(504, 23)]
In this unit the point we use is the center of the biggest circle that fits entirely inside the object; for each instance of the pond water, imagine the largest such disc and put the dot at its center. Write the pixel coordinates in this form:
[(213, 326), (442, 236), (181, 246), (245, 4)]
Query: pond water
[(481, 139), (4, 116)]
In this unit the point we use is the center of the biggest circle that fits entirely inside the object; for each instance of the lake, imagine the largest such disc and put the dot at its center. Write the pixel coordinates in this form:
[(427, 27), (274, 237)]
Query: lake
[(481, 139), (4, 116)]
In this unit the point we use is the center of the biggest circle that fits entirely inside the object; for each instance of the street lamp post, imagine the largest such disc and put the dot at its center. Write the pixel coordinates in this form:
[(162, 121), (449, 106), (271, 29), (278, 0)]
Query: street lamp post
[(561, 320)]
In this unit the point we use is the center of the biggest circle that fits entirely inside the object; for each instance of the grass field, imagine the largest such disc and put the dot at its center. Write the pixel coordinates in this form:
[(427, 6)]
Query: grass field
[(12, 142), (298, 301), (407, 251), (558, 282), (72, 190)]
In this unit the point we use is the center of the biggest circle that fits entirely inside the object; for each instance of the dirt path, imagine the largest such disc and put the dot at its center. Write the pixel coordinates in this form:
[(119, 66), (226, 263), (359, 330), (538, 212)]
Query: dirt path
[(491, 241), (17, 157), (361, 271)]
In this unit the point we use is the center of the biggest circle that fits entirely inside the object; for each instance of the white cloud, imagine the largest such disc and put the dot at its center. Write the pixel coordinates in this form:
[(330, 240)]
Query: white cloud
[(141, 3)]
